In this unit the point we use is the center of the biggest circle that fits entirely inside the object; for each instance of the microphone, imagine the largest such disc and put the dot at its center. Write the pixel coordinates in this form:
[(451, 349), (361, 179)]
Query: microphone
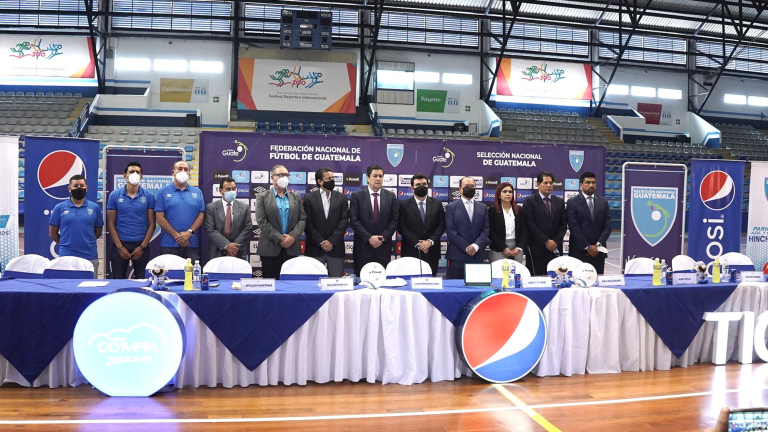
[(557, 251), (421, 272), (530, 255)]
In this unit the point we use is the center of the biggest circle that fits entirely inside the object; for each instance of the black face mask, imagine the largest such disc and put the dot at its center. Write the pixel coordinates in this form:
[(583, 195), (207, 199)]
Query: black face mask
[(468, 192), (420, 191), (78, 194), (329, 185)]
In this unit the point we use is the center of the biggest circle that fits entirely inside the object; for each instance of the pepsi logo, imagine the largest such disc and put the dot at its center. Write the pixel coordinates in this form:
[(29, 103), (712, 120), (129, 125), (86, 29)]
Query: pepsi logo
[(717, 190), (401, 193), (501, 336), (55, 170)]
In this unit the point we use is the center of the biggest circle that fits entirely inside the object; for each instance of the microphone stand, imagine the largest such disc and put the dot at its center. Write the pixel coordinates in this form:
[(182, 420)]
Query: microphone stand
[(421, 271)]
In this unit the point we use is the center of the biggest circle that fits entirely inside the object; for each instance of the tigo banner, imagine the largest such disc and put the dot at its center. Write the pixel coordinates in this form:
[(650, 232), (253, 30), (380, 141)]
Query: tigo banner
[(9, 200), (50, 163), (653, 211), (544, 79), (655, 113), (47, 56), (437, 101), (715, 220), (288, 85), (757, 227), (183, 90)]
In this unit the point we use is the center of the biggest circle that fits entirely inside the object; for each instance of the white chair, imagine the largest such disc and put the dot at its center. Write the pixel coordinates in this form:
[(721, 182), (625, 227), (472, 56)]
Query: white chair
[(642, 266), (26, 267), (738, 261), (174, 264), (408, 267), (303, 268), (68, 267), (567, 261), (228, 268), (683, 263), (497, 272)]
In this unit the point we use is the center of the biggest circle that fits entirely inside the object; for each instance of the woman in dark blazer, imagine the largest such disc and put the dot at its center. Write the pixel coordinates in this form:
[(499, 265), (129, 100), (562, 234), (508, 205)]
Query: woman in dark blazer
[(507, 226)]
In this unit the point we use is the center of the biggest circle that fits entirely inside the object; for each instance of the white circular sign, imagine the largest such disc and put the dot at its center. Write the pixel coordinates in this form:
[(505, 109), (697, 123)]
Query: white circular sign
[(373, 273), (129, 343)]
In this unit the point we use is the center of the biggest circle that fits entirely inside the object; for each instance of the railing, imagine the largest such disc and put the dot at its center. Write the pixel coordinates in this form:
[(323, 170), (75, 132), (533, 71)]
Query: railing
[(80, 122)]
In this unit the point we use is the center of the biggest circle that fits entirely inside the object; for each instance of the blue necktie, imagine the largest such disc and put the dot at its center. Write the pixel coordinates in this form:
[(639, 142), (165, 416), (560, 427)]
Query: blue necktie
[(421, 210)]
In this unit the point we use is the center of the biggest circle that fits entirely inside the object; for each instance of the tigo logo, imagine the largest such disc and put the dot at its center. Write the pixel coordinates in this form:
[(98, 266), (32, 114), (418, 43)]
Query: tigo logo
[(717, 190), (55, 170), (241, 176)]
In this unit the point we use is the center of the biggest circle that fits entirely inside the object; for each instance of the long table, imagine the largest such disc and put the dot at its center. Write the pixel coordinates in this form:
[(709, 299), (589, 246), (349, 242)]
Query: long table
[(300, 333)]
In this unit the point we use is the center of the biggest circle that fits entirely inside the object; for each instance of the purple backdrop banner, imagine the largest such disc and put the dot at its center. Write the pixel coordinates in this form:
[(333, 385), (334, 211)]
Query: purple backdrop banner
[(248, 157), (653, 211)]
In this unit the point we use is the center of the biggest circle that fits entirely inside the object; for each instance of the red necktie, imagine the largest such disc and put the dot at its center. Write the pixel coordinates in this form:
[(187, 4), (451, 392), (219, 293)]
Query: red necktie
[(375, 207), (546, 204), (228, 221)]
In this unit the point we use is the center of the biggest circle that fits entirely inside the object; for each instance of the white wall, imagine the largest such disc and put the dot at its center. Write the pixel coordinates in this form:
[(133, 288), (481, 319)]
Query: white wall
[(728, 85), (647, 78), (175, 49)]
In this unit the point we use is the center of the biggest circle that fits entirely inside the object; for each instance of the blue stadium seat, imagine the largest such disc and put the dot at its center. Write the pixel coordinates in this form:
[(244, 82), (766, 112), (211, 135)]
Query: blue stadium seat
[(21, 153), (306, 128), (21, 173), (272, 127), (260, 127), (21, 194), (98, 196), (329, 130), (340, 129), (189, 149), (101, 174), (318, 129), (296, 128), (188, 157)]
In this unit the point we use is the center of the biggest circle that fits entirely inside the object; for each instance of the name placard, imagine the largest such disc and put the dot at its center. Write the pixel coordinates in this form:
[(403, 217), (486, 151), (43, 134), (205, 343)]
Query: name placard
[(427, 283), (257, 285), (337, 284), (537, 282), (752, 276), (684, 279), (614, 280)]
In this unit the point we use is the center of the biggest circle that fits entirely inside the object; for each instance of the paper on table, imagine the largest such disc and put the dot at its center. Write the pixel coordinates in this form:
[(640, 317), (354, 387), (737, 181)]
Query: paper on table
[(602, 249), (93, 284)]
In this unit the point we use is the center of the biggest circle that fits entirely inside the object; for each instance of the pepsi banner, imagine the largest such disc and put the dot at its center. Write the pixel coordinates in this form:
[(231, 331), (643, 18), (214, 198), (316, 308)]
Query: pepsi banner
[(9, 200), (716, 191), (248, 157), (652, 211), (757, 228), (50, 163)]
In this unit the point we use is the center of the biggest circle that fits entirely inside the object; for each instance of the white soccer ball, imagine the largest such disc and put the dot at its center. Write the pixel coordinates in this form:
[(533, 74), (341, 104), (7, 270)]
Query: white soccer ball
[(585, 275)]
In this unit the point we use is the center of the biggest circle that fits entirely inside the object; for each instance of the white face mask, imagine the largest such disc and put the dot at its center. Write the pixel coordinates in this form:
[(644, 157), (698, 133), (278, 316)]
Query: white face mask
[(182, 177), (282, 182), (134, 178)]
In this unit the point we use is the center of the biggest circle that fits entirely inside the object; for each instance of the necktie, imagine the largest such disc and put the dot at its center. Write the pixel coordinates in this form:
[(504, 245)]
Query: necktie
[(228, 221), (469, 210), (546, 204), (421, 210), (591, 208), (375, 207)]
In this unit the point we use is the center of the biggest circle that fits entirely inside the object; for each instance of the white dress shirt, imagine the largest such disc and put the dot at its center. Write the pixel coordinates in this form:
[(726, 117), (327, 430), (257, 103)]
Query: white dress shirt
[(469, 207), (509, 223), (326, 199), (370, 194), (423, 200)]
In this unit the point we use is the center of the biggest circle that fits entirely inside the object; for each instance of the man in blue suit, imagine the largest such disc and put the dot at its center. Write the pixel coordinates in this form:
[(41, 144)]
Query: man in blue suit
[(466, 223), (589, 220)]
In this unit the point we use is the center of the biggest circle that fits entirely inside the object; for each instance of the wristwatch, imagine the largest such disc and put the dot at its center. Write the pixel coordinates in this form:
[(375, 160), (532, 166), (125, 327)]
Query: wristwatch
[(142, 247), (191, 231)]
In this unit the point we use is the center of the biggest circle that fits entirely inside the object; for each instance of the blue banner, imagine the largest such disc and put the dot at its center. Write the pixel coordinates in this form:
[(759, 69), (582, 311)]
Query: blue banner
[(715, 214), (50, 163)]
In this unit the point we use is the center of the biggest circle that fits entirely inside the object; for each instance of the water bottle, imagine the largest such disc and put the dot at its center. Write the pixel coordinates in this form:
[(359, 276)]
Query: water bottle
[(716, 270), (512, 276), (188, 275), (656, 273), (196, 272), (663, 272), (726, 276)]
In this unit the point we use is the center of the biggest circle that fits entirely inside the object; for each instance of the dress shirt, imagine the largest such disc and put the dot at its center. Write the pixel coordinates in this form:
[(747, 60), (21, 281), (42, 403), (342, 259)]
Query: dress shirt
[(469, 206), (326, 198)]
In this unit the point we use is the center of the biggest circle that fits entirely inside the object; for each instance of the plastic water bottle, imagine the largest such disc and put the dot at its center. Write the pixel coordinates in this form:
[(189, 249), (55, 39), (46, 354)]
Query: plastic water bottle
[(188, 275), (726, 276), (663, 272), (196, 272), (716, 270), (656, 273), (512, 276)]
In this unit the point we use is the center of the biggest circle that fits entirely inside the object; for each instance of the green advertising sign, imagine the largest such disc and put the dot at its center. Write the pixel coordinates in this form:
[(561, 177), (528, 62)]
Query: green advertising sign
[(431, 100)]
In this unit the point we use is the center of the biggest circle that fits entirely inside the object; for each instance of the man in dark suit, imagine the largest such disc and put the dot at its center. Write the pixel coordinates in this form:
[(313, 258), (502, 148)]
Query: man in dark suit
[(327, 218), (281, 219), (590, 223), (421, 224), (373, 214), (546, 223), (466, 223), (227, 239)]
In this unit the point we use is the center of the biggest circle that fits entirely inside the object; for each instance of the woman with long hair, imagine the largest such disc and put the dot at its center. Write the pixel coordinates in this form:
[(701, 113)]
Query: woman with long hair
[(507, 228)]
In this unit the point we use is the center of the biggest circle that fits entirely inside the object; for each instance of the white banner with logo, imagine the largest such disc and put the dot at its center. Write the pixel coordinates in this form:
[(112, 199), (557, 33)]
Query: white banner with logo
[(47, 56), (757, 226), (544, 78), (9, 200)]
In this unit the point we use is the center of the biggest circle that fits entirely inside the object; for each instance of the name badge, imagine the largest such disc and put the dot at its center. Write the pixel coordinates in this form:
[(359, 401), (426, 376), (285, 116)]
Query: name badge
[(427, 283), (606, 281), (684, 279), (537, 282), (752, 276), (257, 285), (337, 284)]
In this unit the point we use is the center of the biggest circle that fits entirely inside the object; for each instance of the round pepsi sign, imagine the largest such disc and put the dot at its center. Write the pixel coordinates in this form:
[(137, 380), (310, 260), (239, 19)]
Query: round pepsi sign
[(501, 336), (55, 170)]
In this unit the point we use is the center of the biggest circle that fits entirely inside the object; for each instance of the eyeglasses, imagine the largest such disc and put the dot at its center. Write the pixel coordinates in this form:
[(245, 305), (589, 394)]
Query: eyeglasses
[(278, 175)]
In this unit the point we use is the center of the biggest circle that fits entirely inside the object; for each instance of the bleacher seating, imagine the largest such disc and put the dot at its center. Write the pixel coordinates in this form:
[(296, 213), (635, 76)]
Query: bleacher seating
[(743, 141), (550, 127)]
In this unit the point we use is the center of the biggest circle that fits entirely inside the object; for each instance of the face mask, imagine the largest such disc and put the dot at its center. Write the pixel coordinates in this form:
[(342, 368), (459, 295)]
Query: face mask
[(78, 194), (230, 196), (468, 192), (182, 177), (282, 182), (329, 185), (134, 178), (421, 191)]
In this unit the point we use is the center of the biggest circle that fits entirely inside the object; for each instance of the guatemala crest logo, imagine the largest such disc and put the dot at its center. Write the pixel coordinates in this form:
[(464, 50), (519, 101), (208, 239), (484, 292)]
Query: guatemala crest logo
[(654, 210), (577, 159), (142, 200), (395, 153), (765, 181), (90, 211)]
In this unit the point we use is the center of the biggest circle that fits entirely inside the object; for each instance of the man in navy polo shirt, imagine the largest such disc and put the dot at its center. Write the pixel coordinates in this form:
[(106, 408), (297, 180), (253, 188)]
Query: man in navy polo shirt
[(76, 224), (131, 223), (180, 210)]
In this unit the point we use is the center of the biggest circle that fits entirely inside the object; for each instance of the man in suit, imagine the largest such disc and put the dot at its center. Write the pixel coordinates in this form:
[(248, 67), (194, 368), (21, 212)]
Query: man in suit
[(373, 214), (546, 223), (421, 224), (281, 219), (466, 223), (327, 213), (228, 223), (590, 223)]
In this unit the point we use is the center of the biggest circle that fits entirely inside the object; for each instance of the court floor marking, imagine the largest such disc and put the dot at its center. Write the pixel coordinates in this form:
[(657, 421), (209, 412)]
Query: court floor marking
[(376, 415), (538, 418)]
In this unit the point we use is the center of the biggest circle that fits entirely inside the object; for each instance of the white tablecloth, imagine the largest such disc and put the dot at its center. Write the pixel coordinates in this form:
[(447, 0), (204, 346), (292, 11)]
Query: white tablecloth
[(399, 337)]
